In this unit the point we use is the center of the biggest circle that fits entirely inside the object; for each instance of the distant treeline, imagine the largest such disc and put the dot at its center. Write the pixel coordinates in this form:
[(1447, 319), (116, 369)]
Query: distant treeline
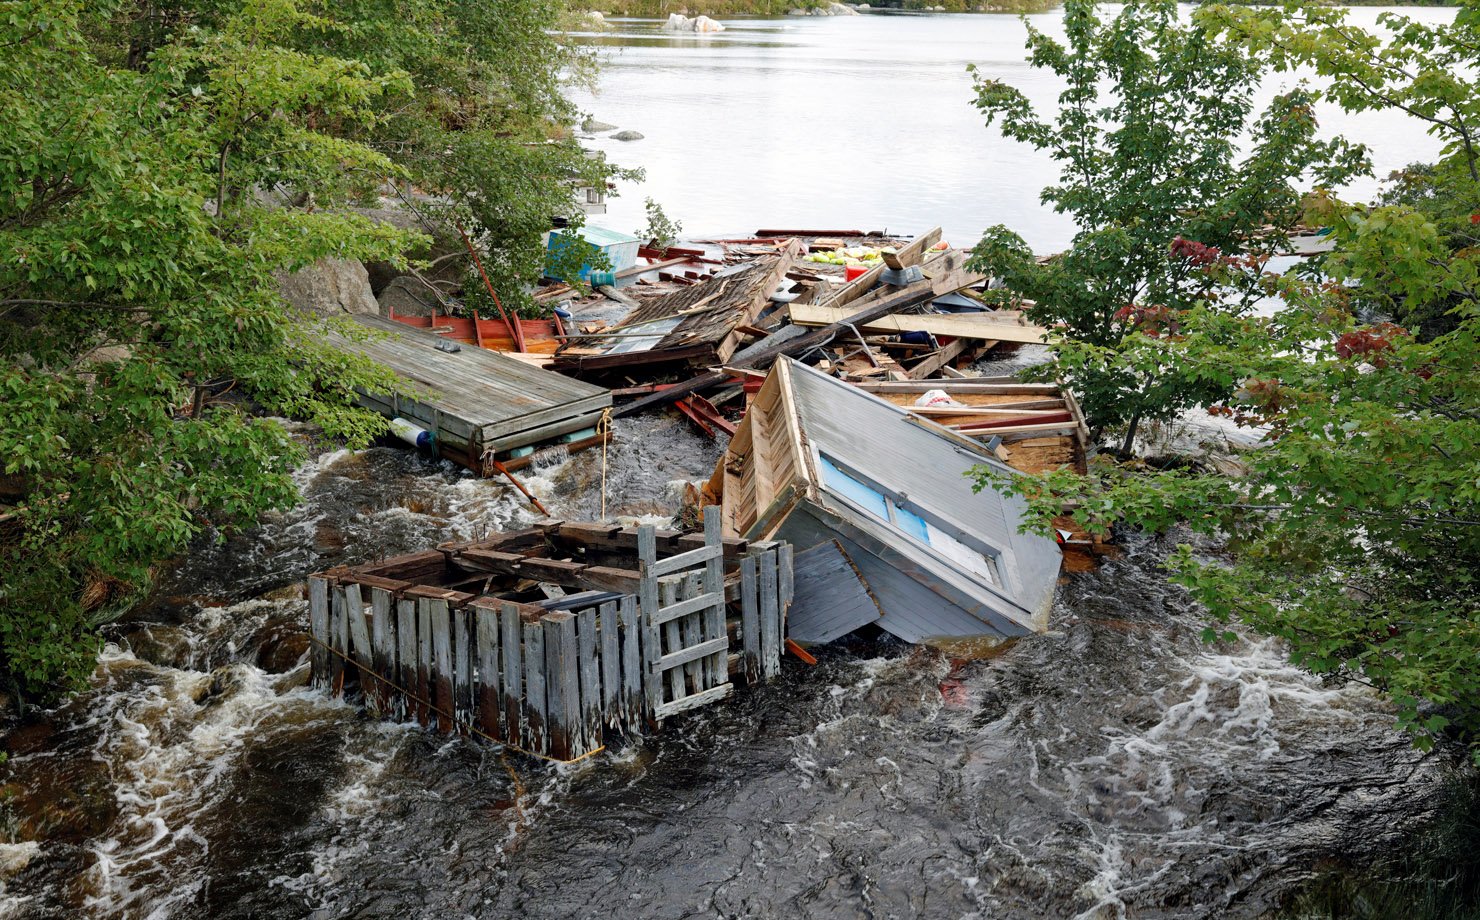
[(662, 8)]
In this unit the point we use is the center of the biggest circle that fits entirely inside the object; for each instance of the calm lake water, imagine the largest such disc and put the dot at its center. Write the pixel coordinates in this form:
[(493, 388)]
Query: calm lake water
[(859, 122)]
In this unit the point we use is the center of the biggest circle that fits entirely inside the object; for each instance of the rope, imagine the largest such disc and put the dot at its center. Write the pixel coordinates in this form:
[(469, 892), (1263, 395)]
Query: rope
[(604, 431), (431, 707)]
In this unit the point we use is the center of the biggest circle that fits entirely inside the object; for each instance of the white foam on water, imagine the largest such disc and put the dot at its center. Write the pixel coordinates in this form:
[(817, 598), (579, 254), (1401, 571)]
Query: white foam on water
[(171, 760), (1230, 709)]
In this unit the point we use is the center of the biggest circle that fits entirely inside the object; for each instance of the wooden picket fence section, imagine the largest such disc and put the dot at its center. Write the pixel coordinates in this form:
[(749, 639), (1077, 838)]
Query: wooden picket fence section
[(554, 683)]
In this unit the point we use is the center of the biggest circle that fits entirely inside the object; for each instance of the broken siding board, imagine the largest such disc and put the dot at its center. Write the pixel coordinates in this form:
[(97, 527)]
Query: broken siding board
[(832, 598), (486, 632), (382, 640), (318, 626), (750, 618), (462, 667), (406, 656), (634, 677), (611, 660), (770, 617), (536, 724), (590, 668), (512, 679)]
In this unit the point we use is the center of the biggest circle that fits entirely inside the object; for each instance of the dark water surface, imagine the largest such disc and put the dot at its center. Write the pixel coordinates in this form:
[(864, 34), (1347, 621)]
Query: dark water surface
[(1115, 767)]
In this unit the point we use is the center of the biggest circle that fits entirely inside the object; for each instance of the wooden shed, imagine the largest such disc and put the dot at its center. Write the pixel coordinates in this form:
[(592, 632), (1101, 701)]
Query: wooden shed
[(479, 405), (886, 526)]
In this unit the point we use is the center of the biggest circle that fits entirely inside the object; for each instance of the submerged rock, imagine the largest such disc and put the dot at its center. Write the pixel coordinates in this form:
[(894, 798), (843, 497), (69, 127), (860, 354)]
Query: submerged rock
[(627, 136)]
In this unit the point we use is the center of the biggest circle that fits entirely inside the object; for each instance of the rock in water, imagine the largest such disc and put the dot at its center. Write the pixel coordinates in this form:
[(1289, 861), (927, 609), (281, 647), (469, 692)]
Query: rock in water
[(678, 22), (627, 136), (330, 286), (841, 9), (592, 126)]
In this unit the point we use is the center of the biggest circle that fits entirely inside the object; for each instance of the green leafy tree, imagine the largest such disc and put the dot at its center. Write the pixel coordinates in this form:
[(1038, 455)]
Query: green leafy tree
[(1355, 532), (1148, 136), (136, 286)]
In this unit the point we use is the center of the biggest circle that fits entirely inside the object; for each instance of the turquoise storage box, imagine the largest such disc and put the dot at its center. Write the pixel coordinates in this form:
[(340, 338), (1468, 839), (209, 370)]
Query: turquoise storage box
[(620, 248)]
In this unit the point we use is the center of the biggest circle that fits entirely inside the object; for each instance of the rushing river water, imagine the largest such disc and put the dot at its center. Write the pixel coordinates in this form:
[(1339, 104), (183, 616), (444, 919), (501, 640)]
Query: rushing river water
[(861, 122), (1116, 767)]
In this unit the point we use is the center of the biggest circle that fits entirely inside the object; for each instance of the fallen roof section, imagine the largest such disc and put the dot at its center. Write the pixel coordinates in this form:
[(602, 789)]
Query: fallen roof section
[(818, 460), (694, 325)]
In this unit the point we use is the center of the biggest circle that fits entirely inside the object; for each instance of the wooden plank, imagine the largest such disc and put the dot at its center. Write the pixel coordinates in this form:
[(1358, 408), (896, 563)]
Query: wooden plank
[(939, 358), (511, 685), (490, 705), (462, 668), (360, 633), (611, 663), (687, 560), (692, 628), (717, 667), (424, 660), (712, 695), (383, 647), (786, 580), (770, 617), (961, 325), (634, 675), (690, 654), (588, 736), (442, 664), (536, 718), (338, 639), (668, 592), (318, 629), (689, 605), (914, 252), (562, 683), (648, 602), (750, 618), (406, 707)]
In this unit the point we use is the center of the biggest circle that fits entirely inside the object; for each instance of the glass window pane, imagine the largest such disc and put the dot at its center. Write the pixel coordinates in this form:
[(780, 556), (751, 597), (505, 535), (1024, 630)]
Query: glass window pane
[(912, 524), (845, 485), (961, 554)]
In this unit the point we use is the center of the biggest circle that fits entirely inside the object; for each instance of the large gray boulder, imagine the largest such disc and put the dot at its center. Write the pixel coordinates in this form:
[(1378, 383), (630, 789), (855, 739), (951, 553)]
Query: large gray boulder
[(331, 286)]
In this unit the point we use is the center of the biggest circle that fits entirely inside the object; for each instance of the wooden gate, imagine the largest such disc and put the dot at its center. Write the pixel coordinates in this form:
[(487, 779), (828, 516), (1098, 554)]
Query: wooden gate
[(683, 611)]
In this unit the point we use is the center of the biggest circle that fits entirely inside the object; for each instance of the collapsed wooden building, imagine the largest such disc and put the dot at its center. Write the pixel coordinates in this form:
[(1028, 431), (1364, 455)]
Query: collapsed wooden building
[(700, 325), (887, 526), (553, 639)]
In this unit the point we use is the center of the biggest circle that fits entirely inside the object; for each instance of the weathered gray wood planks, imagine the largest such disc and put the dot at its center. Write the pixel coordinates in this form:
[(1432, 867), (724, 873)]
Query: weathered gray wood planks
[(552, 682)]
